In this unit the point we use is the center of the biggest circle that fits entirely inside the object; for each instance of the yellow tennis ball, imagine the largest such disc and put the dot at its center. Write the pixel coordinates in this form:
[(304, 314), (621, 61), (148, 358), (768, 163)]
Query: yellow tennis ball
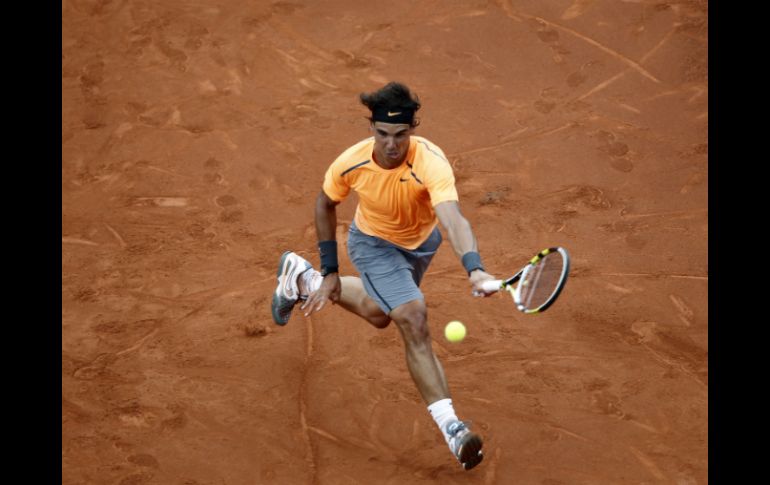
[(454, 331)]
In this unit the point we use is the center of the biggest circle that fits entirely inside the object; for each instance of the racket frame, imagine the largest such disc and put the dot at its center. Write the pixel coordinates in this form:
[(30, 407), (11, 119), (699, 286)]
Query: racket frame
[(516, 291)]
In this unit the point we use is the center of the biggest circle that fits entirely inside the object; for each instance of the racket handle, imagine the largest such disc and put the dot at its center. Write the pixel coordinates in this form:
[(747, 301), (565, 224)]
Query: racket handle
[(491, 285)]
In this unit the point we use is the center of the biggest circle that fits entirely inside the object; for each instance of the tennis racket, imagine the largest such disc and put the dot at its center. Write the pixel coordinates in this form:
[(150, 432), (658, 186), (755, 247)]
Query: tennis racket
[(540, 281)]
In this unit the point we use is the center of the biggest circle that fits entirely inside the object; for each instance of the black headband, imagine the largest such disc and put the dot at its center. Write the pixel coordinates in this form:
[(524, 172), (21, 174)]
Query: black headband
[(393, 115)]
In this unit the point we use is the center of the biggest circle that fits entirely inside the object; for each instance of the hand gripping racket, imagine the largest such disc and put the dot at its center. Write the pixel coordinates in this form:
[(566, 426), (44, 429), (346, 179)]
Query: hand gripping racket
[(540, 281)]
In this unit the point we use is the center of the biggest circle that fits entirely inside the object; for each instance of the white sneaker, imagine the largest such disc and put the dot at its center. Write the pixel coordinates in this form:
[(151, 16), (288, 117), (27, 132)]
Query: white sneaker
[(286, 293), (465, 444)]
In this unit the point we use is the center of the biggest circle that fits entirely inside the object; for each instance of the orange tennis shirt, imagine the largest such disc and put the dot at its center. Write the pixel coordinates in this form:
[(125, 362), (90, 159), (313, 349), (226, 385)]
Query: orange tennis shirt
[(396, 204)]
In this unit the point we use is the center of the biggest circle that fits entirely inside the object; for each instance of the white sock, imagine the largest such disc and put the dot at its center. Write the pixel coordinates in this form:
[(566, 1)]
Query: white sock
[(443, 413), (309, 281)]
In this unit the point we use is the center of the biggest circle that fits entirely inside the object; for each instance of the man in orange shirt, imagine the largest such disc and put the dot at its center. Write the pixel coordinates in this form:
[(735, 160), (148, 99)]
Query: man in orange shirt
[(405, 186)]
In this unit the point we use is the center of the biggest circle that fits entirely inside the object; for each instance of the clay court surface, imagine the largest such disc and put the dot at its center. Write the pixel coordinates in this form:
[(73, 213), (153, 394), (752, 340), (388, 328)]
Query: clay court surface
[(195, 136)]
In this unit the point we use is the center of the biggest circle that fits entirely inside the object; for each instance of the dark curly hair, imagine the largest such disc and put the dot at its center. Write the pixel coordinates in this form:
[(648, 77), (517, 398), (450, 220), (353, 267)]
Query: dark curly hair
[(393, 96)]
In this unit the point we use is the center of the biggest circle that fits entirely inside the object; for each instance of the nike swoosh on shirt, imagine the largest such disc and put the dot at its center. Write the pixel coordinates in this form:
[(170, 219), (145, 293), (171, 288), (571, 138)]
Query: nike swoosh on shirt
[(403, 180)]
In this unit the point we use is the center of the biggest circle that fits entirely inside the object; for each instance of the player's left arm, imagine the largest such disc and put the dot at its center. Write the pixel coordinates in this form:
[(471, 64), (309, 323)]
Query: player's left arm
[(463, 241)]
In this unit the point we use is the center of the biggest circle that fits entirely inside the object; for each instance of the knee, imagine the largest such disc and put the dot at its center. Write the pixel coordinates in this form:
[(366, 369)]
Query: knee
[(379, 321), (414, 325), (374, 315)]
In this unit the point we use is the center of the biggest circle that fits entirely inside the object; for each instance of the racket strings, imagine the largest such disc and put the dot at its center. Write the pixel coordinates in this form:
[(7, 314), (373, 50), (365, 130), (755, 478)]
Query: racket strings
[(540, 282)]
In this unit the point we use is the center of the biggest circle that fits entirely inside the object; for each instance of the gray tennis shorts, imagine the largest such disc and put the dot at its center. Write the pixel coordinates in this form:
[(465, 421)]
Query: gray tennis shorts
[(391, 274)]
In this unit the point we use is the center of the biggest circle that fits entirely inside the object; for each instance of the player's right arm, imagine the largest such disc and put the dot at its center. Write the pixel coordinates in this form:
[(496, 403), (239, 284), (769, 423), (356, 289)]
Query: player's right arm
[(334, 190), (325, 226)]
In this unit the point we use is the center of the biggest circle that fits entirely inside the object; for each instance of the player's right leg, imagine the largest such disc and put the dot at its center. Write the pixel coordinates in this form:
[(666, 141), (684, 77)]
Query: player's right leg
[(286, 293), (297, 279), (354, 299)]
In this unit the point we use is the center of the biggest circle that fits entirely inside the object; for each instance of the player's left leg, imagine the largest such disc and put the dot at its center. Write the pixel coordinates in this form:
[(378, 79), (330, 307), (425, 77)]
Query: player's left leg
[(391, 276), (428, 375), (412, 321)]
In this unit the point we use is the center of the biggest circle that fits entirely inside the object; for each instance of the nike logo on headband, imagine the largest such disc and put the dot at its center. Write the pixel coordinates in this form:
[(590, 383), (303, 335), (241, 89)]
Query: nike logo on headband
[(390, 113)]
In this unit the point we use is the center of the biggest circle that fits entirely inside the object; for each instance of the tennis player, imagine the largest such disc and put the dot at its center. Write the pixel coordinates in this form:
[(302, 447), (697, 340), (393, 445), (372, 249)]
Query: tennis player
[(405, 186)]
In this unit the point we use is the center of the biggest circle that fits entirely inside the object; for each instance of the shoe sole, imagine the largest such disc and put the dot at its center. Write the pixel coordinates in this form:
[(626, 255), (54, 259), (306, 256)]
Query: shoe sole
[(275, 304), (470, 451)]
